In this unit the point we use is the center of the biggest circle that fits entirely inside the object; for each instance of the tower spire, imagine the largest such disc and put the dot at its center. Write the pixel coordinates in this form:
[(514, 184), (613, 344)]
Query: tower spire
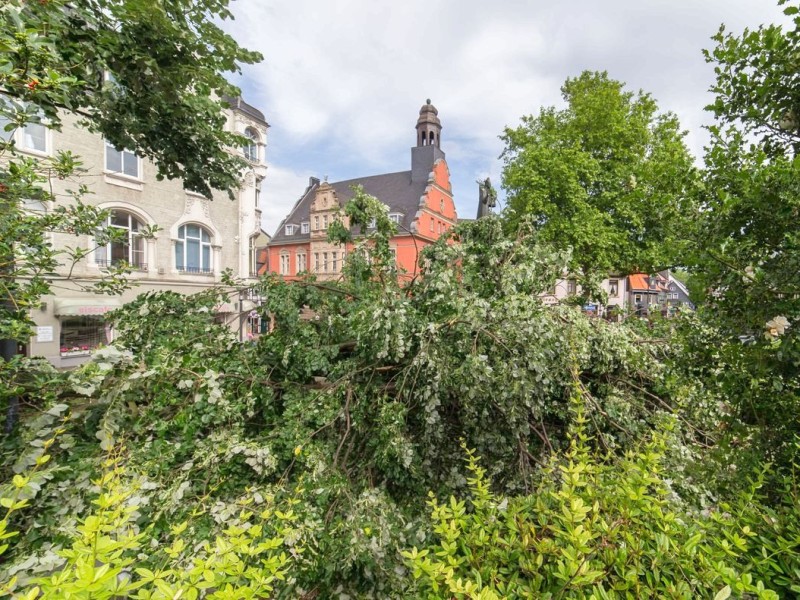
[(429, 128)]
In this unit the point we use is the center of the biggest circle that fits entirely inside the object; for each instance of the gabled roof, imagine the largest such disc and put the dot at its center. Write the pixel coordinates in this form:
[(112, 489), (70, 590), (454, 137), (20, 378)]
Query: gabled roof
[(641, 282), (393, 189), (679, 283)]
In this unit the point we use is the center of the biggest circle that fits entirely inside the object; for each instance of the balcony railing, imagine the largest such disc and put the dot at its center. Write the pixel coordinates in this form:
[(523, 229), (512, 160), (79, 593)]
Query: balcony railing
[(196, 270), (136, 266)]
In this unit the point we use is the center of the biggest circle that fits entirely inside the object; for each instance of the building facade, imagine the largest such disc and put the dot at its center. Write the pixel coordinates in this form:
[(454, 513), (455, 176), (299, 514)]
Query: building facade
[(637, 294), (196, 239), (419, 201)]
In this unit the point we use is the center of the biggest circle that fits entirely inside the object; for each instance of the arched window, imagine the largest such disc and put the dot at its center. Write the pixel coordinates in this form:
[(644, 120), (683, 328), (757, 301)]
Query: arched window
[(251, 147), (125, 243), (193, 250)]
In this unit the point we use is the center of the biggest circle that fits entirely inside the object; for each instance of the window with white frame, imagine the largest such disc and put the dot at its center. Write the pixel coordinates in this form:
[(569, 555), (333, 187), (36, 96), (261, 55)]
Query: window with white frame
[(252, 253), (316, 223), (32, 137), (122, 162), (285, 263), (126, 244), (334, 262), (259, 181), (290, 229), (316, 262), (324, 221), (324, 262), (304, 227), (396, 217), (393, 254), (301, 262), (250, 148), (193, 250), (572, 287), (613, 288)]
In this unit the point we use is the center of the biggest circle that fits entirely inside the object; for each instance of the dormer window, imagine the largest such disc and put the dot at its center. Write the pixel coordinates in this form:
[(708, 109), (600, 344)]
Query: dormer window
[(290, 229), (304, 227), (396, 217)]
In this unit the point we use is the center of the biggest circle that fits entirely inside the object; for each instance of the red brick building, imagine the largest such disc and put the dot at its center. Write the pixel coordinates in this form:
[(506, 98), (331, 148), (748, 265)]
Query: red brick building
[(420, 201)]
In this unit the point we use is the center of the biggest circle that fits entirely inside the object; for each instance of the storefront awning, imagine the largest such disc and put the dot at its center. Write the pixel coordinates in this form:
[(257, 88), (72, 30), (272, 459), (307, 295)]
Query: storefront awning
[(84, 307)]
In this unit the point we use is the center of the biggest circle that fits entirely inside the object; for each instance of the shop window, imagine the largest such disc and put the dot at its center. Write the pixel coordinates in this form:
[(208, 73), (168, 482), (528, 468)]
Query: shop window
[(81, 335)]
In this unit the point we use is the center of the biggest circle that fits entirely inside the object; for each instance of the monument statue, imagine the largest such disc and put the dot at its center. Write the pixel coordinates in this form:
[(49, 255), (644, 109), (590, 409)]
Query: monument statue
[(487, 197)]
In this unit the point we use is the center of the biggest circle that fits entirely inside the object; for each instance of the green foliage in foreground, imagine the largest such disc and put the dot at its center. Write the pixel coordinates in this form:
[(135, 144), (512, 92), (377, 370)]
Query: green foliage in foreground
[(365, 403), (602, 529), (103, 557)]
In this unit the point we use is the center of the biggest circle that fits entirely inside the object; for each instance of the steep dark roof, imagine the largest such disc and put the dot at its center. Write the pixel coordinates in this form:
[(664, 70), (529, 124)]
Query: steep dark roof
[(393, 189), (252, 111)]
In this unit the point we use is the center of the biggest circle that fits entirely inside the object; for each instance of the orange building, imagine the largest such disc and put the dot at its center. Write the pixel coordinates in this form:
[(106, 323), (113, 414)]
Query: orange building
[(419, 201)]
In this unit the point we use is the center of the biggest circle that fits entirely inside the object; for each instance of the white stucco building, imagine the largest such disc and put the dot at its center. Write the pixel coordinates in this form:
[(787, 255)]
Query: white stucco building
[(197, 239)]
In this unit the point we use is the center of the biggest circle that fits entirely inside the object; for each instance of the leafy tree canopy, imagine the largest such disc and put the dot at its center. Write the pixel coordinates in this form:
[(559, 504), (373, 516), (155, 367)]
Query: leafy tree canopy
[(608, 176), (147, 75)]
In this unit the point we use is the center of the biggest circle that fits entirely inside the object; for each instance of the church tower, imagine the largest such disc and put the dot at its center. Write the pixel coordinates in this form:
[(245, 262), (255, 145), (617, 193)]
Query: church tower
[(429, 128), (427, 151)]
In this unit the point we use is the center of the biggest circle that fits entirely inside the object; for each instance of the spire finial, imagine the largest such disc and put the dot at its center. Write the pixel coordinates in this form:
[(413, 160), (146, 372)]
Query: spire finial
[(428, 101)]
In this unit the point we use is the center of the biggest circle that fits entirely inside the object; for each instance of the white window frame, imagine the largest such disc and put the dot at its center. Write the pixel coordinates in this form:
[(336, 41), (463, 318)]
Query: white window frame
[(304, 227), (122, 153), (108, 249), (183, 242), (19, 136), (302, 265), (572, 287), (289, 229), (251, 151), (613, 288), (285, 262), (396, 218)]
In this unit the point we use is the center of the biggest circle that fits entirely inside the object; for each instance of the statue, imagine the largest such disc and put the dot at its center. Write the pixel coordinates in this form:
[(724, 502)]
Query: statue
[(487, 197)]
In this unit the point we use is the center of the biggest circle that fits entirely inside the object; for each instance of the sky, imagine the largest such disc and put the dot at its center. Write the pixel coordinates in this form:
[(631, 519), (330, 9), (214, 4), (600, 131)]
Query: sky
[(342, 81)]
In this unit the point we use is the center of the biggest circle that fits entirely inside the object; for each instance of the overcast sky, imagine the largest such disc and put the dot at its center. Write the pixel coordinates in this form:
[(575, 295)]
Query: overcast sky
[(342, 81)]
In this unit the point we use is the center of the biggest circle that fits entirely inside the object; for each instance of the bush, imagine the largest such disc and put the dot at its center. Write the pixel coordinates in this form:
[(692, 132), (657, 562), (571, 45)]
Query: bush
[(599, 528)]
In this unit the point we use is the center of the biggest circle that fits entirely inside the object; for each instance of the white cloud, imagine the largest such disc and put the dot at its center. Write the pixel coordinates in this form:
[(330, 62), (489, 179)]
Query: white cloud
[(284, 189), (342, 80)]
